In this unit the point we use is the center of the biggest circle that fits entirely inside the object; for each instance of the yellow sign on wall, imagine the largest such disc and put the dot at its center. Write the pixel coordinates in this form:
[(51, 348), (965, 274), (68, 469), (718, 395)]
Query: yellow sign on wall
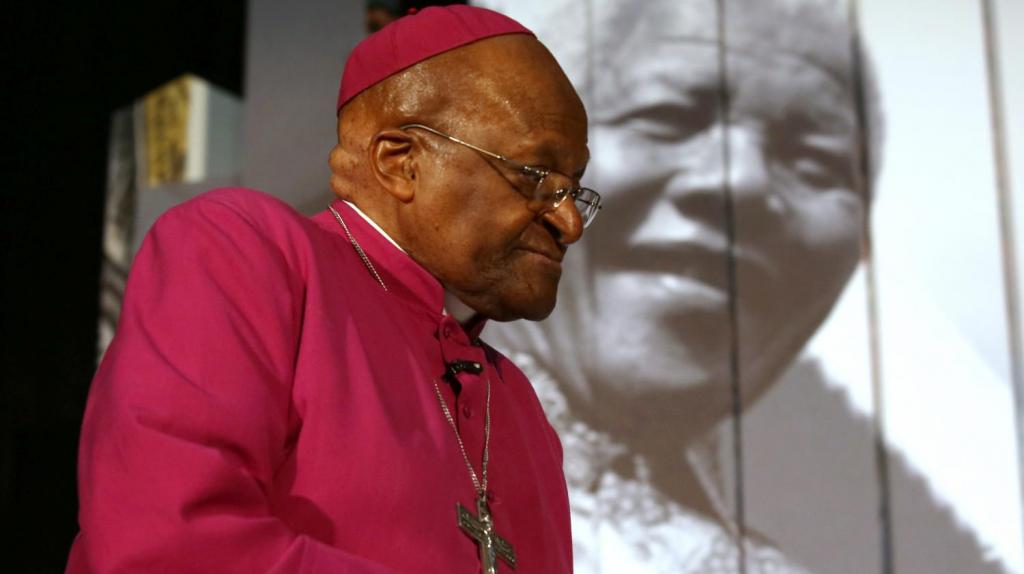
[(166, 112)]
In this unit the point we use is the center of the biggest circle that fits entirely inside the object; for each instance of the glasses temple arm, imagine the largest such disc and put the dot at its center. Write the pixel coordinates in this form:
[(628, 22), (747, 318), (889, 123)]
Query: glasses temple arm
[(477, 149)]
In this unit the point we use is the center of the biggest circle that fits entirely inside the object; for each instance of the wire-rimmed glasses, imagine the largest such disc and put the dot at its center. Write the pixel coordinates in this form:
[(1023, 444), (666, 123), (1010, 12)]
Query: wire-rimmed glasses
[(551, 189)]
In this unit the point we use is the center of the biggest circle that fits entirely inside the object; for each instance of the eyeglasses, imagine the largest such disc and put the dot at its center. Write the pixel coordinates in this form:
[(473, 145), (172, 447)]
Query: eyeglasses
[(551, 188)]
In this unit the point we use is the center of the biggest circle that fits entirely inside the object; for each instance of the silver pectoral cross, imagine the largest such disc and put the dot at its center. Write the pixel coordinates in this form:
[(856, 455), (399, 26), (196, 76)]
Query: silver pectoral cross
[(481, 529)]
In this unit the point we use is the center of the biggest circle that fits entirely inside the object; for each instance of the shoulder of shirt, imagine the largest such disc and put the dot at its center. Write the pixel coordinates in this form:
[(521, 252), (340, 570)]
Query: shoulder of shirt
[(252, 218), (235, 210), (241, 202)]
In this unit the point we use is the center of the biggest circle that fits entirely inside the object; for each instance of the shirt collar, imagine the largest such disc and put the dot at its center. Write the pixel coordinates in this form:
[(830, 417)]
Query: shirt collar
[(373, 224), (451, 305)]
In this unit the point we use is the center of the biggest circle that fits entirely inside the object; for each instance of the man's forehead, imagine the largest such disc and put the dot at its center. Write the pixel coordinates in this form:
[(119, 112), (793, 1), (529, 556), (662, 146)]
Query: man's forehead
[(690, 60), (620, 35), (808, 30), (687, 77)]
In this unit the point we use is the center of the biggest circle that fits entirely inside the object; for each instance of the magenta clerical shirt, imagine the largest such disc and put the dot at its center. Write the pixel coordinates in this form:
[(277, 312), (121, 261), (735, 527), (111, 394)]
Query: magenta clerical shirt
[(267, 407)]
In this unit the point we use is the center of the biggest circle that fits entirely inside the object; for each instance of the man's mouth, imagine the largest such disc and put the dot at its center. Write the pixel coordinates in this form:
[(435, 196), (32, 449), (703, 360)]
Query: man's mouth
[(705, 264), (551, 250), (552, 257)]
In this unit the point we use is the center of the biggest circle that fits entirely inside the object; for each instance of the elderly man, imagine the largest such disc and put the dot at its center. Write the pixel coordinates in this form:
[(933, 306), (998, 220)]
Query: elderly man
[(311, 395)]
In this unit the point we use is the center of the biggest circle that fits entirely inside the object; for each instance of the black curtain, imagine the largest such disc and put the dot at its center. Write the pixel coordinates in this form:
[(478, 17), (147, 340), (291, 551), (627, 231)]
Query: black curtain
[(68, 68)]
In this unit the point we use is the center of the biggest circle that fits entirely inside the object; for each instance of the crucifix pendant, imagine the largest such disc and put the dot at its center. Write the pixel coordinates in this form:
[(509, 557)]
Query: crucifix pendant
[(481, 529)]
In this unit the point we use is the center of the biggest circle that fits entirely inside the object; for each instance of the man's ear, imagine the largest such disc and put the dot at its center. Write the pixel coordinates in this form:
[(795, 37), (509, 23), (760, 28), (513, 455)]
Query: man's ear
[(393, 163)]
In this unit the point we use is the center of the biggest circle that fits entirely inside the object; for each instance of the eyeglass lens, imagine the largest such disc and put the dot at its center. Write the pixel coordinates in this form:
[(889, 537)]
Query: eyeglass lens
[(551, 192)]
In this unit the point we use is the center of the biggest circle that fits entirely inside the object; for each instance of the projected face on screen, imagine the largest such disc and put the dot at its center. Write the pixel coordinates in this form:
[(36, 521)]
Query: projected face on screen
[(671, 147), (661, 268)]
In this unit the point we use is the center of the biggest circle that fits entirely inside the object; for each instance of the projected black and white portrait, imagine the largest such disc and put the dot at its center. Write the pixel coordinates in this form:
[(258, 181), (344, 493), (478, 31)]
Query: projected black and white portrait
[(726, 146)]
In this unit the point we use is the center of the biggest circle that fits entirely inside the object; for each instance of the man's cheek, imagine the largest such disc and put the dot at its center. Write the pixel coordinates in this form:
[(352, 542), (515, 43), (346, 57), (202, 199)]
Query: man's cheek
[(831, 226)]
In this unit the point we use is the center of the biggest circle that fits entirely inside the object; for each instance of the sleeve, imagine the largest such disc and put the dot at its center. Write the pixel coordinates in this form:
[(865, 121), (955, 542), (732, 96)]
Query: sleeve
[(190, 414)]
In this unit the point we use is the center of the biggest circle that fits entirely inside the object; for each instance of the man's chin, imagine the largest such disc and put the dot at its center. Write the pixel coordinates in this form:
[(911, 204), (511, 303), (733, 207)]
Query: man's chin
[(534, 308), (620, 404), (540, 313)]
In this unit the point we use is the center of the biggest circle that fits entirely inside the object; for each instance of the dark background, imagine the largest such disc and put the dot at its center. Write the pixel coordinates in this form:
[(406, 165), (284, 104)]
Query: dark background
[(69, 67)]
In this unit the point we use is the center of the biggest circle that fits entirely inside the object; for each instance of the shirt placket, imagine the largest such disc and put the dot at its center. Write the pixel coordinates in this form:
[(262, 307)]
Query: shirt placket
[(466, 378)]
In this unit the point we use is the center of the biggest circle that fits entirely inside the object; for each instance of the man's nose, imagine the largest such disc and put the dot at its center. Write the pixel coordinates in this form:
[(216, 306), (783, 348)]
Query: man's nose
[(566, 219), (724, 158), (749, 169)]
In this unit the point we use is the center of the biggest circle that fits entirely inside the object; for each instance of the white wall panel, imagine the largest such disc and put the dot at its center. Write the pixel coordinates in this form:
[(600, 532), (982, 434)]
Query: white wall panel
[(948, 408), (1008, 60), (1009, 29)]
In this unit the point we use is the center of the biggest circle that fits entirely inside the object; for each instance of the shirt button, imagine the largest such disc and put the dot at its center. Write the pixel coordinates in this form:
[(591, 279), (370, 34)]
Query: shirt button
[(467, 411)]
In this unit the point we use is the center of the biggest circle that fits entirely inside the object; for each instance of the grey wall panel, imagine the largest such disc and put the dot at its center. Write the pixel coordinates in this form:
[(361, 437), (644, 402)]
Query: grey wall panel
[(295, 56), (810, 477), (798, 202)]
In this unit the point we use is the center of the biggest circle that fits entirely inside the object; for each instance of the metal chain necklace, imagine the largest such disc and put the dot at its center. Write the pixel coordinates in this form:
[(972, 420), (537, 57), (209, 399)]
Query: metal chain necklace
[(479, 485), (481, 526), (358, 248)]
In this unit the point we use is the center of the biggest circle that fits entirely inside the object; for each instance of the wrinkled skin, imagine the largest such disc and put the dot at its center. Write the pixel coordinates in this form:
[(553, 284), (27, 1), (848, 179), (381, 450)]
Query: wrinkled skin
[(661, 275), (459, 214)]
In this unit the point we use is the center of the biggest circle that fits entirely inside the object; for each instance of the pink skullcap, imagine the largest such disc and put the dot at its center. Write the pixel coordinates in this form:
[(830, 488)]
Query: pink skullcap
[(412, 39)]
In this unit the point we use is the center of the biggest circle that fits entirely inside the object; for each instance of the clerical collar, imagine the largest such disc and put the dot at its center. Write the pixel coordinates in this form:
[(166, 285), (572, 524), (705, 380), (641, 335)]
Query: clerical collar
[(373, 224), (453, 306)]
